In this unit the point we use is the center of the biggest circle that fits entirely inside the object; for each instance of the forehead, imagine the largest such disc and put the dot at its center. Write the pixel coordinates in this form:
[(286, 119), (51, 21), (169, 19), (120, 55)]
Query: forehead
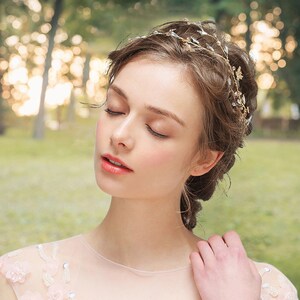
[(148, 81)]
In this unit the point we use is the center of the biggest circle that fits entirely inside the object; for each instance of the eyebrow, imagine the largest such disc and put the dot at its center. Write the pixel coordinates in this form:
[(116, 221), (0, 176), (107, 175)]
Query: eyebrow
[(153, 109)]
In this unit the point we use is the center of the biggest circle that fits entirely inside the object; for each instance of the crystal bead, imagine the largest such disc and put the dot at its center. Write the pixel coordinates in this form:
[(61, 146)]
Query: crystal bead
[(194, 40), (71, 295), (210, 48), (202, 32)]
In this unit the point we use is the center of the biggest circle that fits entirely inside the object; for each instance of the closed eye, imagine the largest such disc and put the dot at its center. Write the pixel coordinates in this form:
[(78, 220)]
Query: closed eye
[(113, 113), (117, 113), (159, 135)]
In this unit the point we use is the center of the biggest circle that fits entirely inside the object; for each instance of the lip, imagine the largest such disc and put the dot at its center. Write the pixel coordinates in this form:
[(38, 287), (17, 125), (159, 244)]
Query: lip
[(111, 168)]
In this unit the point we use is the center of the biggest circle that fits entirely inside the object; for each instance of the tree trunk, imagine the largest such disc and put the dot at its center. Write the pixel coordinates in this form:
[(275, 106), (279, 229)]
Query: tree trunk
[(248, 35), (39, 126), (86, 70), (71, 107), (2, 107), (2, 112)]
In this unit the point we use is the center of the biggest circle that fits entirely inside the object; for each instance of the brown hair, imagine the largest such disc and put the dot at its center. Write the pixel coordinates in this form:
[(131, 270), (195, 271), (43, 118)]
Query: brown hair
[(224, 126)]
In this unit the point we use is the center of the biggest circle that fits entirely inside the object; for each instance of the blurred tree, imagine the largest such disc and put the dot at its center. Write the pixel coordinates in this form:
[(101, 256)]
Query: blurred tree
[(288, 73), (2, 69), (12, 32), (290, 36), (100, 19), (18, 20), (38, 131), (89, 28), (284, 16)]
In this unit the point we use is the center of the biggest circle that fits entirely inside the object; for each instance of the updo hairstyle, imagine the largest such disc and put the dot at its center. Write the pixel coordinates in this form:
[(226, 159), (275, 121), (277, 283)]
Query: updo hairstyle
[(224, 127)]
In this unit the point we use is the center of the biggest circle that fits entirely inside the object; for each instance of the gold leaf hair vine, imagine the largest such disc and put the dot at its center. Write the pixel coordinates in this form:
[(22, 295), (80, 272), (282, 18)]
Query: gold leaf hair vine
[(191, 44)]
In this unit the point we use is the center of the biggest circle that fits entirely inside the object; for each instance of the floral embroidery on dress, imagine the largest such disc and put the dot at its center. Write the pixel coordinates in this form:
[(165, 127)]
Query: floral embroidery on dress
[(31, 296), (56, 290), (290, 291), (14, 272), (17, 272), (281, 288), (51, 265)]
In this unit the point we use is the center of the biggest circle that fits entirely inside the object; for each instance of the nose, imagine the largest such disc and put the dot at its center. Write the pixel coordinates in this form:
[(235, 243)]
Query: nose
[(121, 137)]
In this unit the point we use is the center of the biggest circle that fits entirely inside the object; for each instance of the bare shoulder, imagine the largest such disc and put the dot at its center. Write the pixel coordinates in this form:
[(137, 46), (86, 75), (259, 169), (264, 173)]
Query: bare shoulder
[(15, 269), (30, 272), (274, 283), (6, 291)]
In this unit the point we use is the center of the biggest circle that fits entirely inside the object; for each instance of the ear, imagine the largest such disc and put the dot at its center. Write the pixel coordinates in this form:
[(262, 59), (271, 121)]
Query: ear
[(204, 165)]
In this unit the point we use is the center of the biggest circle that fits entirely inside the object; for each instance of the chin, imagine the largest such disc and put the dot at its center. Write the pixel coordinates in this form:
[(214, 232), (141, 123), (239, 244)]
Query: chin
[(112, 188)]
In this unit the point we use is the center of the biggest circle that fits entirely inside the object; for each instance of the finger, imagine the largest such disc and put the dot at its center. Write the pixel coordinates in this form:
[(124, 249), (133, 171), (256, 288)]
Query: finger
[(196, 261), (218, 245), (197, 266), (232, 239), (253, 266), (255, 272), (206, 253)]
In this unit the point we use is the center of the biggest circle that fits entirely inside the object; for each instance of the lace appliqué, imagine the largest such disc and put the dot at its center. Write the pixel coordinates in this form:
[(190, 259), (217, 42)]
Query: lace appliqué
[(56, 290), (14, 272), (31, 296), (281, 286), (273, 292), (290, 294)]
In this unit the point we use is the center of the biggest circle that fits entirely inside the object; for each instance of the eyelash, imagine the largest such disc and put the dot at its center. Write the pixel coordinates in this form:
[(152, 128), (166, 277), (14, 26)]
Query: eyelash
[(113, 113), (156, 134)]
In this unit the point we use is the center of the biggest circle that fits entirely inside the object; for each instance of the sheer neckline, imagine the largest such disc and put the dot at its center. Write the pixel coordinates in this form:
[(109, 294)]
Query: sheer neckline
[(98, 255)]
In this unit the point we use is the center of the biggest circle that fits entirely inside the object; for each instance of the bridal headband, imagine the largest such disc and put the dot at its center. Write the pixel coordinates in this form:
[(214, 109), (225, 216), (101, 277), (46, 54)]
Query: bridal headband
[(192, 44)]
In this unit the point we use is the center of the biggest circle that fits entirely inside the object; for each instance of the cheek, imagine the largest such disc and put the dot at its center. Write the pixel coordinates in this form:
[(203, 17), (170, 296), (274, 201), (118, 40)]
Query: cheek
[(98, 131), (100, 135), (99, 127), (158, 158), (181, 158), (172, 158)]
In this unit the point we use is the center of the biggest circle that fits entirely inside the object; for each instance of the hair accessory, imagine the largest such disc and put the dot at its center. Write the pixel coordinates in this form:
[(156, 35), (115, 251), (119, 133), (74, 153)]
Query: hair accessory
[(191, 44)]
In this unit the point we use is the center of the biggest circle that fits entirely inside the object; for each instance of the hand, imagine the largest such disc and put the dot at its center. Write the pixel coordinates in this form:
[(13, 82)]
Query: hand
[(222, 269)]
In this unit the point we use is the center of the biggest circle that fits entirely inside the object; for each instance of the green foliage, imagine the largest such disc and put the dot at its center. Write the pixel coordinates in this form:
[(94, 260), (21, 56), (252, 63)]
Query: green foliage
[(46, 184), (106, 19), (290, 17)]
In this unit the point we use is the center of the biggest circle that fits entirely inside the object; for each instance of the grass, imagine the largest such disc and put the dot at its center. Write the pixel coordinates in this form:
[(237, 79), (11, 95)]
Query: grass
[(48, 192)]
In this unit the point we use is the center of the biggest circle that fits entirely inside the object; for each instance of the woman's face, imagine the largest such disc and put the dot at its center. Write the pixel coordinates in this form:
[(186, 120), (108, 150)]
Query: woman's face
[(151, 122)]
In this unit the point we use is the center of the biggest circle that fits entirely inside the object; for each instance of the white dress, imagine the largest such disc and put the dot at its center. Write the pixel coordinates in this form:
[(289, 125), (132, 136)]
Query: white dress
[(72, 269)]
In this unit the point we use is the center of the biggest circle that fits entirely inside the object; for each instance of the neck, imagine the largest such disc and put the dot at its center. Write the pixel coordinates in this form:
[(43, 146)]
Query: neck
[(144, 234)]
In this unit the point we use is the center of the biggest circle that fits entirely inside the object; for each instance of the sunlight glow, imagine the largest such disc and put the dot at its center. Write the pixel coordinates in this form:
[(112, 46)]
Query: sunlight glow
[(58, 95), (26, 88), (34, 5), (265, 81), (24, 63), (31, 106)]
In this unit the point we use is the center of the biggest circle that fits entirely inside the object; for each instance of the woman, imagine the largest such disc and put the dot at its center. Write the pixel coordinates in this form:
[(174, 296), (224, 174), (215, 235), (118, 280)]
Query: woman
[(179, 103)]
